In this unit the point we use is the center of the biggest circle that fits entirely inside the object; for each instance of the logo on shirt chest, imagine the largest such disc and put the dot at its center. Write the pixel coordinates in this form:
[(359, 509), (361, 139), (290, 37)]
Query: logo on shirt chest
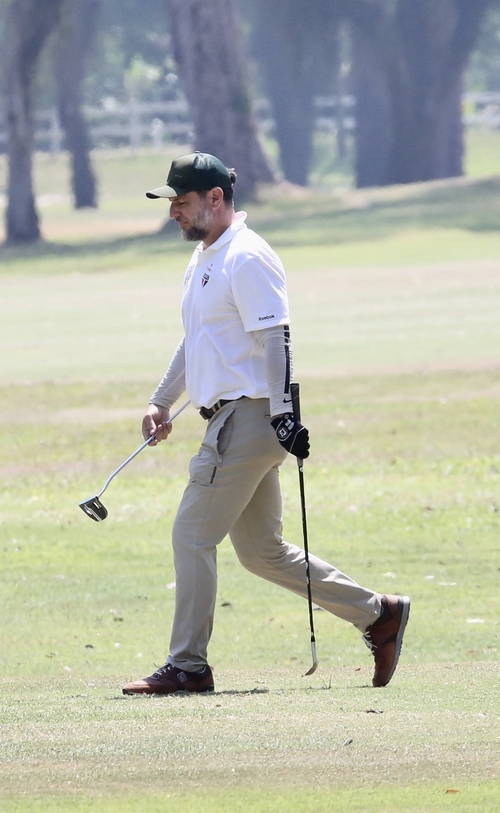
[(206, 276)]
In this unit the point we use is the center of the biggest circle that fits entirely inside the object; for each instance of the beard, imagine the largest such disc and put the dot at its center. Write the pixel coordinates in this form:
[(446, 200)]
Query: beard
[(199, 228), (194, 234)]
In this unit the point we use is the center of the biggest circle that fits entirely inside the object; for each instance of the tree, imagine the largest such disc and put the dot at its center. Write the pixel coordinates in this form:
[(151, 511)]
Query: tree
[(75, 34), (296, 44), (28, 23), (410, 57), (132, 33), (483, 72), (210, 53)]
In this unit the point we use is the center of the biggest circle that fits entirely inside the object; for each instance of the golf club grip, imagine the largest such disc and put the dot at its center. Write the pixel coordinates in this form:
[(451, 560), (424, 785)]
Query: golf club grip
[(295, 393)]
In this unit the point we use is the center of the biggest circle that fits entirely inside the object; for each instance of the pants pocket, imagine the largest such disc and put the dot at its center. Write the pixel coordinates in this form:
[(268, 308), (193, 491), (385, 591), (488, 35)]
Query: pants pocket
[(203, 467), (223, 437)]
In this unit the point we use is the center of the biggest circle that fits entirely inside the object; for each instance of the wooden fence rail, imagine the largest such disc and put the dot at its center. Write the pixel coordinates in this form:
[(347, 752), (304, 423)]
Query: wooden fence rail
[(153, 124)]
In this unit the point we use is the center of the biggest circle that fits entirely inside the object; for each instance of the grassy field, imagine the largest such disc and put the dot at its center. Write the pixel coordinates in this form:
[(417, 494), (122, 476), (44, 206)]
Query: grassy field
[(395, 297)]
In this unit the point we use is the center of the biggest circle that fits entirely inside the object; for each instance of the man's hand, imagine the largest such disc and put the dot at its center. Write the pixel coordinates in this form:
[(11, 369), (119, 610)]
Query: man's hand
[(156, 421), (292, 435)]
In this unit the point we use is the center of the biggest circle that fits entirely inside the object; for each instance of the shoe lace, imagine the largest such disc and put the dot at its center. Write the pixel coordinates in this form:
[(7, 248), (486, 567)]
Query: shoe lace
[(368, 641), (162, 671)]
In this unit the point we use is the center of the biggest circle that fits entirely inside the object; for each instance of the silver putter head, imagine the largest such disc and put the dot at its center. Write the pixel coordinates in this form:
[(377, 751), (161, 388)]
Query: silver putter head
[(94, 509)]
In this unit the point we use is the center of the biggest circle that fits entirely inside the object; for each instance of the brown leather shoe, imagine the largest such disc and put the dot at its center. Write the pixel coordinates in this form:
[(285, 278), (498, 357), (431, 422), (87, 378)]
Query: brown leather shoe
[(169, 680), (385, 636)]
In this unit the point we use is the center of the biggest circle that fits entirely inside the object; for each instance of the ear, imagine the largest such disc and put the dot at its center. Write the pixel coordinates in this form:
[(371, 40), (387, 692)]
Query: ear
[(216, 197)]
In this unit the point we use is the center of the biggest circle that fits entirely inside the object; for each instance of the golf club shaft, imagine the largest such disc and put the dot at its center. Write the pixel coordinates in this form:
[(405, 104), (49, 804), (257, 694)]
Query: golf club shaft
[(295, 392), (134, 454), (300, 466)]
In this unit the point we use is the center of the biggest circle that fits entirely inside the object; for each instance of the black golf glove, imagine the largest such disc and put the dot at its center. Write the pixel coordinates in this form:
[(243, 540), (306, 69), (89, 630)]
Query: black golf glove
[(292, 435)]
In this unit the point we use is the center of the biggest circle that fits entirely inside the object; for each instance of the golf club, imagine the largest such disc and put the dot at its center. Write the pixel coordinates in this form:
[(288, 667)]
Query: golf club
[(294, 389), (93, 507)]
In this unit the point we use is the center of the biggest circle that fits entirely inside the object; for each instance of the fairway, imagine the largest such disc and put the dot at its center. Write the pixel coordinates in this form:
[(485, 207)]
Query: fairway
[(265, 744), (395, 296)]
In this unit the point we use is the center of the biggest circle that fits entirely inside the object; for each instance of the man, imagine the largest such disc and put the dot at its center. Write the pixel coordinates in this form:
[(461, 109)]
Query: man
[(235, 361)]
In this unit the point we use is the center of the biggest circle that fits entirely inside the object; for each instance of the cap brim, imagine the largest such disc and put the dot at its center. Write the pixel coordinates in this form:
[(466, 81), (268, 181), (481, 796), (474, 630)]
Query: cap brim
[(166, 192)]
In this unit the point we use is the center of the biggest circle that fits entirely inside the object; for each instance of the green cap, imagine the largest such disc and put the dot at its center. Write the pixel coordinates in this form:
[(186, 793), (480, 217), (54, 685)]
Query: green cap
[(195, 172)]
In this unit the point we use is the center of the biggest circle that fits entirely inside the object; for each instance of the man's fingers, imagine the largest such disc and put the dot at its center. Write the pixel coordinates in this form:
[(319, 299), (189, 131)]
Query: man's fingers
[(152, 425), (148, 428), (163, 430)]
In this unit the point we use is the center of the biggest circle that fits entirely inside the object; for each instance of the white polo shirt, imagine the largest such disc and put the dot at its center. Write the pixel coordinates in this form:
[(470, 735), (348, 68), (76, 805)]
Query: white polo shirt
[(232, 289)]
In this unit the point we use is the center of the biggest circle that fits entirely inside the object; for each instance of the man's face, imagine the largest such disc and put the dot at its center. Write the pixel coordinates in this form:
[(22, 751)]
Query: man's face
[(193, 214)]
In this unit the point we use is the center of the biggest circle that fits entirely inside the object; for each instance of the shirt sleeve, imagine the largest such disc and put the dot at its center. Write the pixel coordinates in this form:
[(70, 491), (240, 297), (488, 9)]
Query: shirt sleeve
[(173, 382), (259, 289)]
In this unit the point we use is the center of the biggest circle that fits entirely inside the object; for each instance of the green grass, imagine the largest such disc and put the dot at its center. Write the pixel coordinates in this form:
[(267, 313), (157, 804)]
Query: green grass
[(395, 297), (279, 742), (482, 156)]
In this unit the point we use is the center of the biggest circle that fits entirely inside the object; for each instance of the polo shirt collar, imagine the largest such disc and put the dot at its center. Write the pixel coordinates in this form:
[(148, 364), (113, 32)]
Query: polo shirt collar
[(226, 236)]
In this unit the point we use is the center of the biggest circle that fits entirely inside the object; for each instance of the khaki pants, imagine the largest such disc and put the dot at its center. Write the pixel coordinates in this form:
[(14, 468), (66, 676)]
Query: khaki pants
[(234, 489)]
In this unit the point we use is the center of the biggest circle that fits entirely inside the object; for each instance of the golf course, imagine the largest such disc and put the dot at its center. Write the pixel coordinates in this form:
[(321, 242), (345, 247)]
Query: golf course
[(395, 302)]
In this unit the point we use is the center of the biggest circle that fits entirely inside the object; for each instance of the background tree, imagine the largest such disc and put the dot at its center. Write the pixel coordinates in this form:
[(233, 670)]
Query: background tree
[(410, 57), (28, 23), (483, 72), (75, 34), (296, 45), (132, 53), (211, 56), (408, 62), (368, 80)]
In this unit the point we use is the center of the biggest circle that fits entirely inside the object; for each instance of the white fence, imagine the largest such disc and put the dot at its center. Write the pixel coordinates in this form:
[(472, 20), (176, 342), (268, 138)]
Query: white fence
[(154, 124)]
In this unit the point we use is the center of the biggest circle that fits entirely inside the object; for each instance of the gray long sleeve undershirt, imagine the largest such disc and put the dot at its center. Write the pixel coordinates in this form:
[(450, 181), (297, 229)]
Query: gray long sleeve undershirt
[(173, 383), (279, 367)]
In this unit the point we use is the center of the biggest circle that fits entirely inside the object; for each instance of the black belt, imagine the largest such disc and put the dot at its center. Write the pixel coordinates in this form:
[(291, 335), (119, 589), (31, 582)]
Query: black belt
[(209, 412)]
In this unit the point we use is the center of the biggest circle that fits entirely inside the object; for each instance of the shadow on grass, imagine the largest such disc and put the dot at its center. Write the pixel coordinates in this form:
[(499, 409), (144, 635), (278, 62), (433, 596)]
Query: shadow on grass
[(317, 218), (326, 687), (364, 215), (155, 242)]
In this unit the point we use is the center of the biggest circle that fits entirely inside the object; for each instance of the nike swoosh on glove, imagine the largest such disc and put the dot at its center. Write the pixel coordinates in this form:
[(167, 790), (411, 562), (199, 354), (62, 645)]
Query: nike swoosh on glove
[(292, 435)]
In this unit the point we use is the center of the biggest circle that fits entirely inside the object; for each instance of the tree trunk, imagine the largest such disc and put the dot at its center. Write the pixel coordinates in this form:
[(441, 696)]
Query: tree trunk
[(422, 48), (281, 44), (208, 47), (373, 125), (75, 35), (28, 24), (296, 44), (424, 79)]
